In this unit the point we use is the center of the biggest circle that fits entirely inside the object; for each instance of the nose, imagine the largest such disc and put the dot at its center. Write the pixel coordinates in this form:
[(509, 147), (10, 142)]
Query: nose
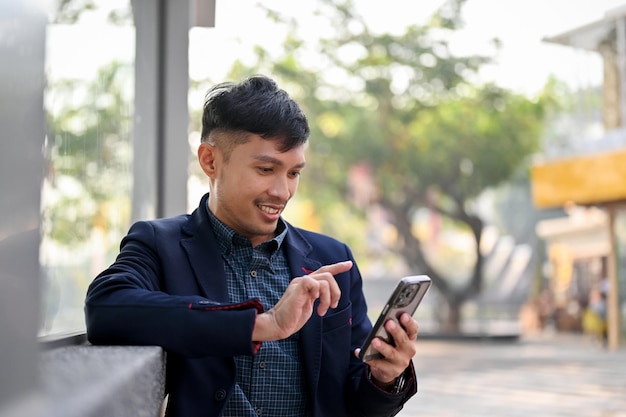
[(283, 188)]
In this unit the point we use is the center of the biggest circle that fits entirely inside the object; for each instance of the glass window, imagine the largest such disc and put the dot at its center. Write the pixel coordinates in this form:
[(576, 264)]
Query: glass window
[(86, 196)]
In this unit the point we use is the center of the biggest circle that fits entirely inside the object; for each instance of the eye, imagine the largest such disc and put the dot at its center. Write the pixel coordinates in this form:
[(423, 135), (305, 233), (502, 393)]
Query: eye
[(295, 174), (265, 170)]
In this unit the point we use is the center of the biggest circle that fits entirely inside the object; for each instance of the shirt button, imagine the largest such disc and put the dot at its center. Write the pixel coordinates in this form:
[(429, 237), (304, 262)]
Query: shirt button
[(259, 411), (253, 274), (262, 364), (220, 394)]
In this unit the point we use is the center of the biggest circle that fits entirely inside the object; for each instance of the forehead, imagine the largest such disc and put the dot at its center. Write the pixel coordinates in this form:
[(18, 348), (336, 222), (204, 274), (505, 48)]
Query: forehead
[(265, 149)]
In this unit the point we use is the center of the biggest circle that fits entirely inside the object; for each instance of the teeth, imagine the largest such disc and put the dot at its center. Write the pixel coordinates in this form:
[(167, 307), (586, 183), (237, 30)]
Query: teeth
[(268, 210)]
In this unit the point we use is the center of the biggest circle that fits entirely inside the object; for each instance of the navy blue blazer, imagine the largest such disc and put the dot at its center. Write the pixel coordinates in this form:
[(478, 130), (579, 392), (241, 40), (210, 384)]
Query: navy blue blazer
[(167, 287)]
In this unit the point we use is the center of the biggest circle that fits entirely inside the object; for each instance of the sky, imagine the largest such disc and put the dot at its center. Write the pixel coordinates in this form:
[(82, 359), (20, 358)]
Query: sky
[(526, 59), (524, 64)]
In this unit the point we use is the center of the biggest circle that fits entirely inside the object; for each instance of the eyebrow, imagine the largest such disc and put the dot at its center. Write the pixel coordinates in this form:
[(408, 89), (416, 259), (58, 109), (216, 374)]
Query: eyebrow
[(275, 161)]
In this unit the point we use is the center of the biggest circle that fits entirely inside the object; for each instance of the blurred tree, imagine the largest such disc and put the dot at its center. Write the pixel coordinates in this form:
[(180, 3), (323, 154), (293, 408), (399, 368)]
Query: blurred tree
[(401, 132), (89, 155), (400, 129), (69, 12)]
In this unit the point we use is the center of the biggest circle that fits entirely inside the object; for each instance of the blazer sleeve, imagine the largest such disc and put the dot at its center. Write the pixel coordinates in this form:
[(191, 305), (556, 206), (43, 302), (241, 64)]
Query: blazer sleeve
[(126, 305), (373, 401)]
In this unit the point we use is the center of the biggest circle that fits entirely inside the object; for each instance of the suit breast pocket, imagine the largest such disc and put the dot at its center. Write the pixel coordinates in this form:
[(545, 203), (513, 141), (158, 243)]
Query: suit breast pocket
[(336, 351), (334, 320)]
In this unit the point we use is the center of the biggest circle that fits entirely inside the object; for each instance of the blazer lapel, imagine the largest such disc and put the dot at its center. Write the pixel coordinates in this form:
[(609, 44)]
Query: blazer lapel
[(204, 254)]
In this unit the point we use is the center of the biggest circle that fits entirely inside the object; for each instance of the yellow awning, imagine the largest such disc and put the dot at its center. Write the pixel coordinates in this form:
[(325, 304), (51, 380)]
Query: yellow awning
[(582, 180)]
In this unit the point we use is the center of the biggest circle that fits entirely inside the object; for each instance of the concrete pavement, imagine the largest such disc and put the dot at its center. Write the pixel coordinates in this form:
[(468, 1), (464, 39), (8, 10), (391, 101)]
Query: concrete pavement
[(541, 376)]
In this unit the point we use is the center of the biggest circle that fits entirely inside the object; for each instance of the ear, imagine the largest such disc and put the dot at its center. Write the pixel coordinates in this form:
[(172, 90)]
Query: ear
[(207, 156)]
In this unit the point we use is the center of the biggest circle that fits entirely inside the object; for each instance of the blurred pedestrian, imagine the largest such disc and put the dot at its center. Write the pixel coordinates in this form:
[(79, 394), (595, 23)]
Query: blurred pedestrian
[(595, 314)]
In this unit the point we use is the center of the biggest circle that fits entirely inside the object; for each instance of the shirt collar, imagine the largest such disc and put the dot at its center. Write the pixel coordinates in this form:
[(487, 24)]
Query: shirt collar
[(227, 238)]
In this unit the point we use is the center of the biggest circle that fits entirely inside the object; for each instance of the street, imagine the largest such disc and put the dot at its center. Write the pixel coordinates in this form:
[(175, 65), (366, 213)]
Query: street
[(541, 376)]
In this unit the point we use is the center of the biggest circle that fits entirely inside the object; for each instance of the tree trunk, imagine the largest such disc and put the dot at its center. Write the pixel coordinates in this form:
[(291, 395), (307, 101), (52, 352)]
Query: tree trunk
[(451, 319)]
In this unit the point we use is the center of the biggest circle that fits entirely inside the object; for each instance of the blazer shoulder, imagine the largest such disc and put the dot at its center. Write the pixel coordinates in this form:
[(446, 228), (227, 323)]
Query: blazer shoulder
[(316, 237), (318, 242), (161, 227)]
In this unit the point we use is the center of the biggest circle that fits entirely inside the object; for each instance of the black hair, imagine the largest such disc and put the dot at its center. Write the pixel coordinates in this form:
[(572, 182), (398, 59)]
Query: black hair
[(256, 105)]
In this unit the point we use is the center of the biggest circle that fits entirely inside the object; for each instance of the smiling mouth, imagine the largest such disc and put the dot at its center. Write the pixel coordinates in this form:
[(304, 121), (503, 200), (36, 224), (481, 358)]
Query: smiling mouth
[(268, 210)]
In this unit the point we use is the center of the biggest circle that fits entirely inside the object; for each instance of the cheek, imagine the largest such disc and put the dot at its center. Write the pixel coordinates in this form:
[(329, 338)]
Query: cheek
[(246, 188), (294, 186)]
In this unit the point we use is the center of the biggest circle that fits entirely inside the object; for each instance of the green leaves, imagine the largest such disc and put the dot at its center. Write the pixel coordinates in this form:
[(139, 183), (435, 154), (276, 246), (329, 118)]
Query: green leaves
[(399, 130), (90, 155)]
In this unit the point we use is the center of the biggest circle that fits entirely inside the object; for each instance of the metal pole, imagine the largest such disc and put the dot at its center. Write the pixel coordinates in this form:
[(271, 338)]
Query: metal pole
[(621, 64), (161, 154), (613, 290)]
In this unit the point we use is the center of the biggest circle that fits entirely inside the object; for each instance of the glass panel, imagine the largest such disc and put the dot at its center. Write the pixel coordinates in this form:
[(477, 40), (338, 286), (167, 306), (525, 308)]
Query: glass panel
[(86, 196)]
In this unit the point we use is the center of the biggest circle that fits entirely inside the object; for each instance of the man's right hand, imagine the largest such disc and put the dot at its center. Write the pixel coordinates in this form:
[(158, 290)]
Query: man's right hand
[(295, 307)]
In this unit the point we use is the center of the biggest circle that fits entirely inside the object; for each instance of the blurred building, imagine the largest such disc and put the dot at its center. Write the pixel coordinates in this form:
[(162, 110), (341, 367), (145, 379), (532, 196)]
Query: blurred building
[(584, 171)]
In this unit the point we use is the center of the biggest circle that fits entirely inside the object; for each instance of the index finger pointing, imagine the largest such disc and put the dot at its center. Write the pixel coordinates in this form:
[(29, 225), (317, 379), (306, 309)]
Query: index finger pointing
[(335, 268)]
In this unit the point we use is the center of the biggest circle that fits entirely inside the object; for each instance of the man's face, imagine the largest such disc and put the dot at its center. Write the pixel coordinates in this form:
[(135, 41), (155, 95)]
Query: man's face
[(250, 191)]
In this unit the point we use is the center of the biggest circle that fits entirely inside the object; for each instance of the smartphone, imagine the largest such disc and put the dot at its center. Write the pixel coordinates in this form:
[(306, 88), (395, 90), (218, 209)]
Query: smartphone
[(407, 295)]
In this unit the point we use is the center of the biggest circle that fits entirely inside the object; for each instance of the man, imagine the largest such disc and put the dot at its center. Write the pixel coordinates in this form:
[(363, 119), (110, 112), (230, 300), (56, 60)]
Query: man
[(216, 288)]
